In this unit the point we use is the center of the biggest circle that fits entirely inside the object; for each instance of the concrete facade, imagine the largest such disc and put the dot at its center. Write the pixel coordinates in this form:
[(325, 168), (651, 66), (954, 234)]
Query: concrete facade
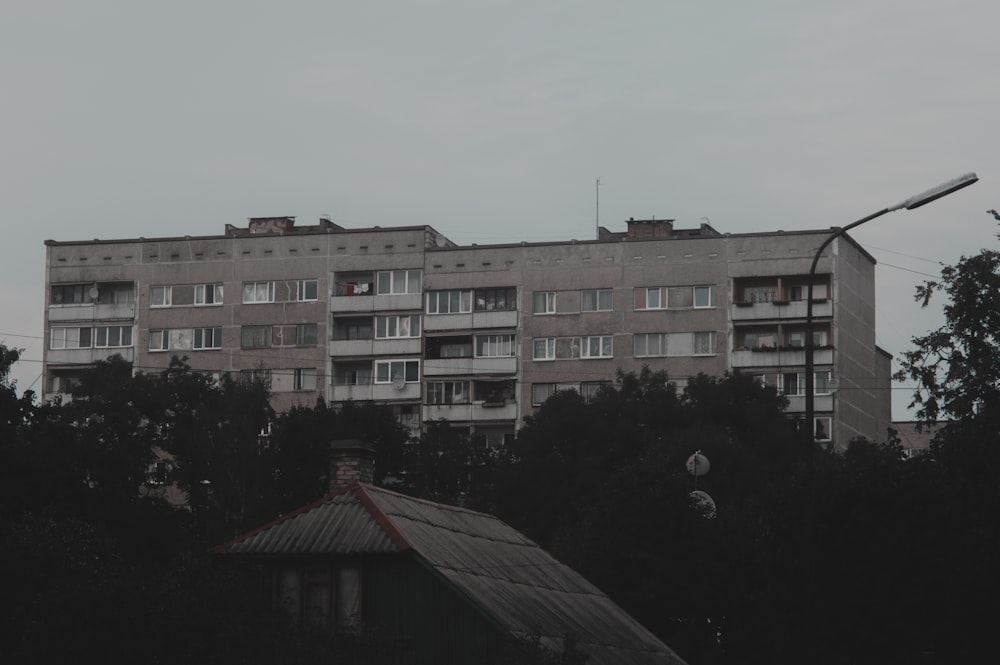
[(476, 335)]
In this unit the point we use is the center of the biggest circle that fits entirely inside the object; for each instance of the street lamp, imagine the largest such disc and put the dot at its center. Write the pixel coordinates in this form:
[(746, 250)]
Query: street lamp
[(909, 204)]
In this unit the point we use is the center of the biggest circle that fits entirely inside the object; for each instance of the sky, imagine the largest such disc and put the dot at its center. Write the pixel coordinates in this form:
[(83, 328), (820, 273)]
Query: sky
[(492, 121)]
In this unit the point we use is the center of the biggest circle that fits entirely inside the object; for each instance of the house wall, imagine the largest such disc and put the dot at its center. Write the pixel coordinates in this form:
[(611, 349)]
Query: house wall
[(675, 261)]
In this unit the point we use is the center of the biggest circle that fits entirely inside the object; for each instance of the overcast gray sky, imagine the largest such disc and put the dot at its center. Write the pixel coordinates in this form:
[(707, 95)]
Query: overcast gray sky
[(491, 121)]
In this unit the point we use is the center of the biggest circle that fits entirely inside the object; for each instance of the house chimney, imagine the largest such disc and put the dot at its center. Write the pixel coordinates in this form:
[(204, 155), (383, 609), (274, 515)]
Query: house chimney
[(351, 461)]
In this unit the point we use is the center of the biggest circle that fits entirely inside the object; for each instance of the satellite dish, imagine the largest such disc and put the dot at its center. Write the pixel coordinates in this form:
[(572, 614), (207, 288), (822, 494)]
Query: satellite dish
[(704, 503), (94, 293), (697, 464), (398, 383)]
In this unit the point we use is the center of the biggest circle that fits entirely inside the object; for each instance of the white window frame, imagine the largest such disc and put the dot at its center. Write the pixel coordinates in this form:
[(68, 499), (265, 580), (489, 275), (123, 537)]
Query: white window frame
[(445, 393), (160, 296), (389, 376), (212, 335), (603, 300), (710, 288), (543, 348), (712, 343), (494, 346), (661, 343), (397, 282), (435, 299), (159, 340), (207, 295), (392, 326), (59, 338), (597, 346), (256, 293), (120, 338), (303, 287), (546, 300)]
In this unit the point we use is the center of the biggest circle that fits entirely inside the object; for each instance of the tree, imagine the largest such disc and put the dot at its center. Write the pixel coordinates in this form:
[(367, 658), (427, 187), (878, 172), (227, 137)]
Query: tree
[(957, 366)]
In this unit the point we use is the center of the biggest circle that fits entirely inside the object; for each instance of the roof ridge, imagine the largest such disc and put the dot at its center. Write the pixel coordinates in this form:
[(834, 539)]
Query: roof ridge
[(360, 491)]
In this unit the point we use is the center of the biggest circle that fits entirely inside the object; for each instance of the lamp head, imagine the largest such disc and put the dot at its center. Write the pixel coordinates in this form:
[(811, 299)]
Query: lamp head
[(934, 193)]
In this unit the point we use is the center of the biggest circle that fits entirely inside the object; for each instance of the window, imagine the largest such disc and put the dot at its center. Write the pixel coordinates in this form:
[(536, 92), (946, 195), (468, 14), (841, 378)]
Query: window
[(304, 379), (448, 392), (821, 383), (453, 301), (822, 428), (541, 392), (70, 338), (355, 330), (207, 338), (160, 296), (596, 346), (754, 294), (115, 293), (494, 346), (70, 294), (543, 302), (792, 384), (649, 345), (207, 294), (595, 300), (651, 298), (543, 348), (390, 282), (797, 338), (258, 292), (113, 336), (704, 297), (704, 343), (307, 289), (355, 376), (387, 327), (760, 340), (306, 334), (590, 389), (496, 299), (159, 340), (392, 371), (262, 376), (255, 337), (319, 597)]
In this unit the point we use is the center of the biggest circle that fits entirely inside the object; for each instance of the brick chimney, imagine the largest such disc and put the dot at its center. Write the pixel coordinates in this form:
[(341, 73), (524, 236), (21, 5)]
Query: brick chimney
[(351, 461), (650, 229)]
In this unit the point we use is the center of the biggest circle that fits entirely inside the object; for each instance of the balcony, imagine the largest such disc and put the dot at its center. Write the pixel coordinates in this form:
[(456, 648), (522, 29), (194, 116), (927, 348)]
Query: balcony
[(783, 357), (470, 320), (797, 403), (373, 303), (471, 412), (109, 312), (379, 392), (780, 309), (341, 348), (87, 356), (467, 366)]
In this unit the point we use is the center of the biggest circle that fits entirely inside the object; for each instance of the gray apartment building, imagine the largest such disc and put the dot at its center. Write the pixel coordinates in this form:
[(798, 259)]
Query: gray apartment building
[(477, 335)]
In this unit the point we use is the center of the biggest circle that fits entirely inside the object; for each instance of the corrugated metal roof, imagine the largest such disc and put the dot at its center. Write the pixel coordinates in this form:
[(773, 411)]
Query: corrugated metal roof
[(508, 577)]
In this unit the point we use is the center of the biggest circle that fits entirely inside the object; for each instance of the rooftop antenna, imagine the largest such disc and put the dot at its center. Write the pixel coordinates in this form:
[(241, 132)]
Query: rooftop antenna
[(597, 208)]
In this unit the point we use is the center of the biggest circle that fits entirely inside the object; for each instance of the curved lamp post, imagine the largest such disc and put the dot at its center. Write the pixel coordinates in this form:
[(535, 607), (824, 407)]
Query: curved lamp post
[(909, 204)]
